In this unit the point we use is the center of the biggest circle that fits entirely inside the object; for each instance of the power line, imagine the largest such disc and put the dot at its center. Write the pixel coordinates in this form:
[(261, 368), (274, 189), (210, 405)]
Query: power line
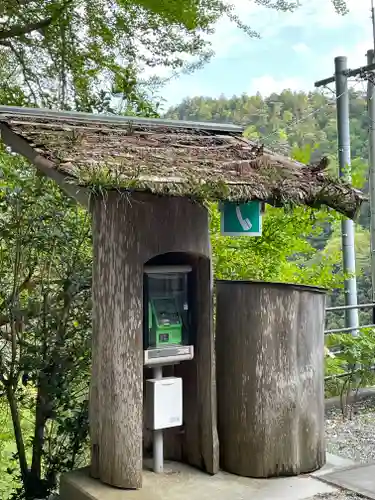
[(296, 122)]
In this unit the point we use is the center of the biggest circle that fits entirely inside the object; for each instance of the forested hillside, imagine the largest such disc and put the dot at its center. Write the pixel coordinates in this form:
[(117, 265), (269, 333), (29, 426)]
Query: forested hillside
[(283, 120), (293, 121)]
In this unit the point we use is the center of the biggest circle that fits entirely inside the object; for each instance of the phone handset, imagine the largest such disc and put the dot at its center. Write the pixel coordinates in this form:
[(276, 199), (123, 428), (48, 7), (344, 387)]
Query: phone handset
[(245, 223)]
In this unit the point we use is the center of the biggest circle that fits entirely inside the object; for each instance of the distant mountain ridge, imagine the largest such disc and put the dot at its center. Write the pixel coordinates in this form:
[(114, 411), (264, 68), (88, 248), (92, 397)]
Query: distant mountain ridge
[(283, 121)]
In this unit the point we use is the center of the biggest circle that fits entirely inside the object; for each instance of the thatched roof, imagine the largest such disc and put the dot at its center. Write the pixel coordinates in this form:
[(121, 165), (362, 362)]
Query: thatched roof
[(173, 158)]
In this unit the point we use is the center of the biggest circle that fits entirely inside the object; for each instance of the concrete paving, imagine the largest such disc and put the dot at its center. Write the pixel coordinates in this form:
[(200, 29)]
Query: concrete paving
[(180, 482), (334, 463), (358, 478)]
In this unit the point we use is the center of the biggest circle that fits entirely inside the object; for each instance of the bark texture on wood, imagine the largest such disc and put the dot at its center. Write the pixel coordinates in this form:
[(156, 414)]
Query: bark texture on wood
[(205, 371), (270, 378), (127, 233), (117, 347)]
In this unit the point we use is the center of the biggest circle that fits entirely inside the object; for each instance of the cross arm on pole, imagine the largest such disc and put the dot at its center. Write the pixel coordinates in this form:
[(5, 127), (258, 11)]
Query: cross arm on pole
[(326, 81), (349, 73)]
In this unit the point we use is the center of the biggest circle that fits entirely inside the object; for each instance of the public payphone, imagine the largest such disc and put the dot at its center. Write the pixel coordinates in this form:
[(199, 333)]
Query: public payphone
[(167, 315), (167, 339)]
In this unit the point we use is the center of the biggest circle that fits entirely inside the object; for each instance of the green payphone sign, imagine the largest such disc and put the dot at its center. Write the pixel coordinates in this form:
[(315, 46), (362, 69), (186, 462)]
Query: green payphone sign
[(241, 219)]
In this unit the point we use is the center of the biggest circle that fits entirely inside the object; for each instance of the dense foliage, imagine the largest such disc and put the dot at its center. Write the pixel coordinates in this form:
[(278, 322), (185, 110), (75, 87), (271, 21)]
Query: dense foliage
[(45, 273), (87, 49)]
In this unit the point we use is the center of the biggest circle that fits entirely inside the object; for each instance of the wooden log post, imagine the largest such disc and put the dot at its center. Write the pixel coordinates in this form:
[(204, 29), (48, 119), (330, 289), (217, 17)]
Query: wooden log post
[(270, 378), (116, 386), (127, 233)]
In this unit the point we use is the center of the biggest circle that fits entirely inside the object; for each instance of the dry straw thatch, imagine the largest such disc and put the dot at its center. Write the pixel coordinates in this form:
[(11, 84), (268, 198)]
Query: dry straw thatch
[(164, 159)]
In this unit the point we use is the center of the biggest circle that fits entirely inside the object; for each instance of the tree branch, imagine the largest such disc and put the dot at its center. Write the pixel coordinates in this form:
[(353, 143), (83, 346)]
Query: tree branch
[(18, 434), (19, 29), (39, 435), (35, 310), (26, 75)]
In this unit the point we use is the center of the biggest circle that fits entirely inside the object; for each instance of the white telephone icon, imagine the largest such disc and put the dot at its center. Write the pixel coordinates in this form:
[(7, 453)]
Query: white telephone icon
[(245, 223)]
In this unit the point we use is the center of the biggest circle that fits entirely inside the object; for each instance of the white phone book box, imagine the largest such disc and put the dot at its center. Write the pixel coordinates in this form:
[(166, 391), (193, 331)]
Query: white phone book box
[(164, 403)]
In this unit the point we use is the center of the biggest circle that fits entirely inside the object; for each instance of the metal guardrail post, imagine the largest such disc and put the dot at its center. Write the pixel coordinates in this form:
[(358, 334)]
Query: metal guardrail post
[(345, 308), (355, 306)]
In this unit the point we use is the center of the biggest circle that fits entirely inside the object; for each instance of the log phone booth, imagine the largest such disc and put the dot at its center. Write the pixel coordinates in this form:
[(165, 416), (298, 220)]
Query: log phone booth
[(146, 182), (161, 331), (168, 322)]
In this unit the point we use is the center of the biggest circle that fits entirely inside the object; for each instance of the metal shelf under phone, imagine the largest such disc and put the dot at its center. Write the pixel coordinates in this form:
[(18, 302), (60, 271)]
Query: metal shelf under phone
[(168, 355), (167, 269)]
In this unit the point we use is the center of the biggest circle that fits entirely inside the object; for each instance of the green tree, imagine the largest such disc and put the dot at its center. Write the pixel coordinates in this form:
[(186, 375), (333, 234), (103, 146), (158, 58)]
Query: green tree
[(84, 46), (64, 53), (283, 252), (45, 319)]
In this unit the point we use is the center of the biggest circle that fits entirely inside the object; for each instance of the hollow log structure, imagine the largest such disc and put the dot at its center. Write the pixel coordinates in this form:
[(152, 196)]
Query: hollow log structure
[(127, 233), (270, 378)]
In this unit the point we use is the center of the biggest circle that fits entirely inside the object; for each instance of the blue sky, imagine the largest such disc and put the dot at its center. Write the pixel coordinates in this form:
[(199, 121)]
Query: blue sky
[(295, 49)]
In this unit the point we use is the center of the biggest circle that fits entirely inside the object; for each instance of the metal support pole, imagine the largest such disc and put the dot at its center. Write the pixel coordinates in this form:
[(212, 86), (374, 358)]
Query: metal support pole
[(371, 114), (347, 225), (373, 24), (158, 449)]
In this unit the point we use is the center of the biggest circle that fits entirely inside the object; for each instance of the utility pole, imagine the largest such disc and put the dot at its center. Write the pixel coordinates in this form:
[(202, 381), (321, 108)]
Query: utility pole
[(373, 24), (347, 225), (371, 114)]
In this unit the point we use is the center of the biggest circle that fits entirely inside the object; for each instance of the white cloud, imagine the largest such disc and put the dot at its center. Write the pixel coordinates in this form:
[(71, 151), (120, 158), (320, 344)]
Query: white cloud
[(228, 40), (267, 84), (356, 56), (311, 15), (321, 13), (301, 48)]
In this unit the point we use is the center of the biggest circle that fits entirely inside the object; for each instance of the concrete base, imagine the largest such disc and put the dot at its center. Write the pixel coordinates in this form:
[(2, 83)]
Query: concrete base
[(358, 479), (181, 482), (333, 463)]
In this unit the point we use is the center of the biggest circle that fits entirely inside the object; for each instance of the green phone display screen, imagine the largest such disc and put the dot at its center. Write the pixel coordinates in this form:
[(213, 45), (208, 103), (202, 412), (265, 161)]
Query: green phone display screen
[(166, 311), (168, 322)]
